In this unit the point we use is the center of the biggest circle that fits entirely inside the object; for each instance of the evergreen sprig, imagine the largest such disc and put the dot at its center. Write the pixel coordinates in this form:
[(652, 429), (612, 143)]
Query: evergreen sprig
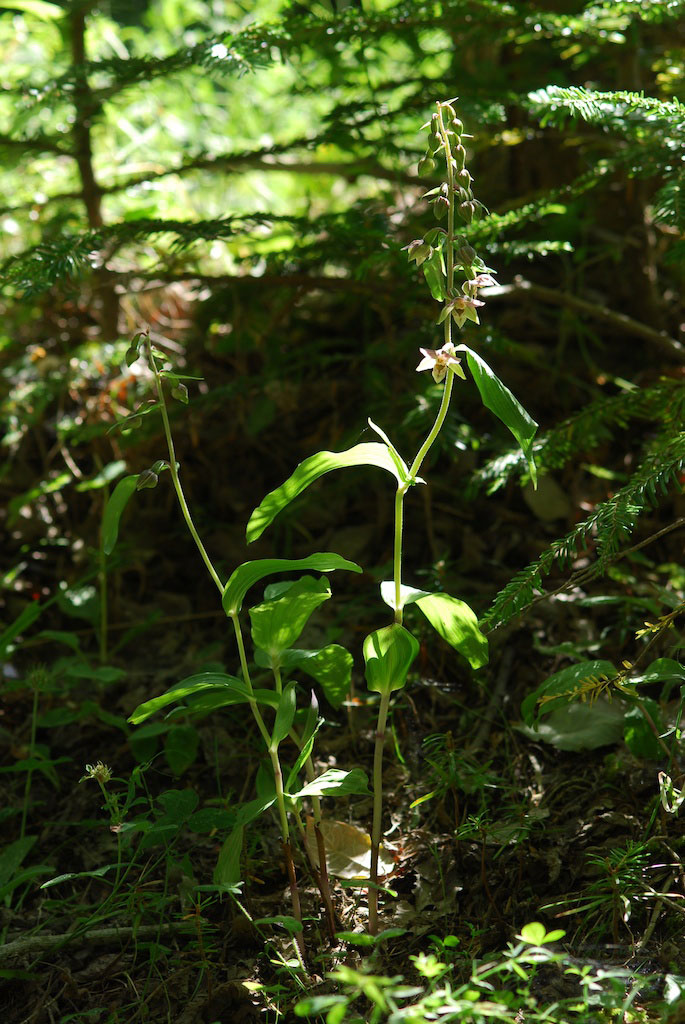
[(606, 529)]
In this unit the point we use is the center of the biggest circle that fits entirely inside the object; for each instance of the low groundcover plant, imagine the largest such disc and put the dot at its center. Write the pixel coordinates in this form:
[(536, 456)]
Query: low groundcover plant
[(455, 275)]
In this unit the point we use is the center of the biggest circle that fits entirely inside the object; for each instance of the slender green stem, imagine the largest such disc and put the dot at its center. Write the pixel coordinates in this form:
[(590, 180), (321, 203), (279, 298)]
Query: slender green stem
[(397, 550), (102, 584), (377, 810), (437, 426), (174, 472), (278, 779), (277, 679), (254, 707)]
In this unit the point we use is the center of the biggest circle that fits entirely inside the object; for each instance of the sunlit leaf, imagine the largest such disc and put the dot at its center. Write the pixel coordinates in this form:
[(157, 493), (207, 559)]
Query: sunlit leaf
[(336, 782), (453, 619), (229, 686), (497, 397), (370, 453), (277, 624), (389, 653), (249, 573)]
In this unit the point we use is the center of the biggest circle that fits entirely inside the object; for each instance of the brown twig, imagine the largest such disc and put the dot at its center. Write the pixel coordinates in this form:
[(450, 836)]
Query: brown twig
[(526, 289)]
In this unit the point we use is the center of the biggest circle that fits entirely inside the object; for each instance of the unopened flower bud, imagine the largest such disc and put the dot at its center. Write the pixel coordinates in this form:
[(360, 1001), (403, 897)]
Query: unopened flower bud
[(457, 126), (427, 167), (459, 154), (434, 143), (441, 207), (466, 210), (435, 125), (466, 254), (180, 393), (464, 178), (448, 112), (148, 478)]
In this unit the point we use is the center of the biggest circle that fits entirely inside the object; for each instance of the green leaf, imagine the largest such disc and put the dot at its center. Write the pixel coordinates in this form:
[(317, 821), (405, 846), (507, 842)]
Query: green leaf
[(96, 873), (370, 453), (251, 810), (204, 703), (277, 624), (330, 666), (400, 464), (178, 805), (106, 475), (335, 782), (285, 715), (249, 573), (435, 278), (305, 752), (389, 653), (12, 856), (498, 399), (180, 747), (579, 726), (562, 686), (113, 510), (230, 686), (536, 934), (637, 733), (453, 619), (27, 617), (227, 870)]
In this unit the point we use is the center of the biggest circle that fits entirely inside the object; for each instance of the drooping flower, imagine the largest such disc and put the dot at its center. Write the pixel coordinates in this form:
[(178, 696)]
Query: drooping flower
[(418, 250), (461, 309), (438, 361), (471, 286)]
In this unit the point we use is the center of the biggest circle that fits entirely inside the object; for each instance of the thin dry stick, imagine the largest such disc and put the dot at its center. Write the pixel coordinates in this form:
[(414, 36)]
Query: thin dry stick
[(36, 944)]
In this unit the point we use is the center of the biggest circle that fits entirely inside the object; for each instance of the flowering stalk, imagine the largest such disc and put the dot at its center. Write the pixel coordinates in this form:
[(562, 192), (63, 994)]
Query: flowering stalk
[(441, 252)]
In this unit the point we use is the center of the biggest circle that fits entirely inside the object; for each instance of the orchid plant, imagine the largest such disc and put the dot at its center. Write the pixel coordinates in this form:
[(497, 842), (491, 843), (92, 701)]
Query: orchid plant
[(455, 275), (443, 254)]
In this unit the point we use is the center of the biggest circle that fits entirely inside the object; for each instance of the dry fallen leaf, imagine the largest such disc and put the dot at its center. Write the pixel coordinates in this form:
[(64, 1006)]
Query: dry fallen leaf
[(348, 850)]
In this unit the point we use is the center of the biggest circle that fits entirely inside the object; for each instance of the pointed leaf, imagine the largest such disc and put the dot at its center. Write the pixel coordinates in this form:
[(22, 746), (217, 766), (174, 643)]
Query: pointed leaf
[(249, 573), (285, 715), (498, 399), (305, 752), (400, 464), (435, 277), (277, 624), (335, 782), (453, 619), (229, 686), (389, 653), (331, 666), (113, 510), (227, 870), (370, 453)]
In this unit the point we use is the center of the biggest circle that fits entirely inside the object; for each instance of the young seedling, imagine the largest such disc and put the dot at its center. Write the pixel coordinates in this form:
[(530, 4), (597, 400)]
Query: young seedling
[(443, 253)]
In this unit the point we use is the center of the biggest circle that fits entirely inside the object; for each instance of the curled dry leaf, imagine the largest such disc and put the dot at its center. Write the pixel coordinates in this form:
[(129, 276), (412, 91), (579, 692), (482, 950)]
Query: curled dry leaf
[(348, 851)]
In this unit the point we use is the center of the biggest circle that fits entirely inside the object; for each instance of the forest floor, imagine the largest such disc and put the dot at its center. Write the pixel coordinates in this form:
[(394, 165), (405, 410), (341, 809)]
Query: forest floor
[(511, 830)]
